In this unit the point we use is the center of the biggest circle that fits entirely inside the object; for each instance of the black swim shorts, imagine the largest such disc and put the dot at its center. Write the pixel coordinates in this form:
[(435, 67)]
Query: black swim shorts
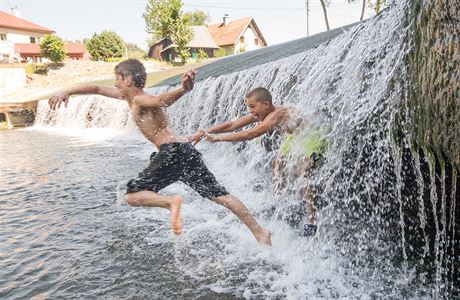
[(177, 162)]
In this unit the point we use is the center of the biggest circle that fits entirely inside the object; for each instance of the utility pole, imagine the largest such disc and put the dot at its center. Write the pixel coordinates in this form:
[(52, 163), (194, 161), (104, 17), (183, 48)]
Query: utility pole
[(307, 6)]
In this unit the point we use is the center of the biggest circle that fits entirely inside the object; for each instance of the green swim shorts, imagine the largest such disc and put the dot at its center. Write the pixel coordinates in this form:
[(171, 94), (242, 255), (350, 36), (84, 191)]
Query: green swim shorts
[(315, 144)]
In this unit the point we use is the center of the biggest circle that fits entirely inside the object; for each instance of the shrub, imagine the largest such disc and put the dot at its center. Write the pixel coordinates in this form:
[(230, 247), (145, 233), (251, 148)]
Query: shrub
[(52, 48), (114, 59), (221, 52), (202, 55), (105, 45)]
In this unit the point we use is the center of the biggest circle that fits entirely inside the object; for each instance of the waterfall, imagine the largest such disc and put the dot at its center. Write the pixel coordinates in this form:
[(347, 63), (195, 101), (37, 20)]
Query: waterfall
[(372, 188)]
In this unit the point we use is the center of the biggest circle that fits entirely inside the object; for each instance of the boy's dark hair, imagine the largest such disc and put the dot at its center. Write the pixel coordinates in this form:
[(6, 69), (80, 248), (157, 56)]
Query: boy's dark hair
[(133, 68), (260, 94)]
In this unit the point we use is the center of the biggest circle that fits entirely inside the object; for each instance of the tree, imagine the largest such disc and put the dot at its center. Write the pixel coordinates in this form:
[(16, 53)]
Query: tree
[(323, 4), (160, 16), (181, 37), (164, 19), (105, 45), (197, 18), (52, 48), (133, 47), (134, 51)]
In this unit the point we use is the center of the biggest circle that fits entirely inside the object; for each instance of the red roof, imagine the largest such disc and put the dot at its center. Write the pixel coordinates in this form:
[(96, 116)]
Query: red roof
[(34, 49), (10, 21), (229, 34), (27, 48), (74, 48)]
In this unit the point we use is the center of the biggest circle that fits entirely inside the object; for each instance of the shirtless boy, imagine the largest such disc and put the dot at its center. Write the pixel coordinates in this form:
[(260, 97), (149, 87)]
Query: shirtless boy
[(177, 160), (268, 116)]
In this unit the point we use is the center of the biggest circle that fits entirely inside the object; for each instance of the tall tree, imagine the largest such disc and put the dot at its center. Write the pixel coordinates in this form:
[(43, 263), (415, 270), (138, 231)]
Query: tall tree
[(164, 19), (323, 4), (197, 18)]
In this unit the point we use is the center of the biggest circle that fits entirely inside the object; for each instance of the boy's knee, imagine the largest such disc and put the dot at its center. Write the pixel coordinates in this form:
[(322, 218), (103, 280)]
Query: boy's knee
[(131, 199), (221, 200)]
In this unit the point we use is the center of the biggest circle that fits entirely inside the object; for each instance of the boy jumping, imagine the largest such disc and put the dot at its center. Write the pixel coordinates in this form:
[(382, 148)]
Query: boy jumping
[(177, 160)]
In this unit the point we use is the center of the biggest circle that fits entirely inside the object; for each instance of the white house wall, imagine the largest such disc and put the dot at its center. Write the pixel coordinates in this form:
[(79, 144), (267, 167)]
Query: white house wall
[(6, 49), (21, 36), (16, 36), (249, 40)]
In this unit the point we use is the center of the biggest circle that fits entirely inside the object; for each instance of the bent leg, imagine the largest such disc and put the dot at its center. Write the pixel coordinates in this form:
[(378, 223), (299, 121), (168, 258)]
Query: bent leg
[(306, 170), (238, 208), (278, 173), (311, 210), (151, 199)]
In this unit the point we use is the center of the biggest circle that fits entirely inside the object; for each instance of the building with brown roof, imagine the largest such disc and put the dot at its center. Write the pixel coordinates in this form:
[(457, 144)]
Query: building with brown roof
[(237, 36), (14, 30)]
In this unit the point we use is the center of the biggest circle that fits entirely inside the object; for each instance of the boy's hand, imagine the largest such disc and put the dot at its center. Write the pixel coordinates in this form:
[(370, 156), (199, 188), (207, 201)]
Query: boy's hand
[(188, 80), (55, 101), (211, 137), (196, 138)]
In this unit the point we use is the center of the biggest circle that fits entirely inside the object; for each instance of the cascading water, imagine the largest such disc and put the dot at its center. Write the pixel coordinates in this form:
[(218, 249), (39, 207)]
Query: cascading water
[(374, 237)]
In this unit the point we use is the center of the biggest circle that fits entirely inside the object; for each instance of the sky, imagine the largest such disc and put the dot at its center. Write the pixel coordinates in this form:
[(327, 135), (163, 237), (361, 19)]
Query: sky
[(279, 21)]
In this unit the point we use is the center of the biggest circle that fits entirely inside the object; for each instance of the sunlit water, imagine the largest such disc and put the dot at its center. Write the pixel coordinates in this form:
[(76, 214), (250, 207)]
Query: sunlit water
[(67, 233)]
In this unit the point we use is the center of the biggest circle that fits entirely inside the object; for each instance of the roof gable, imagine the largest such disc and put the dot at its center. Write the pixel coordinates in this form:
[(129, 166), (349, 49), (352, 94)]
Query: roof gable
[(10, 21), (202, 38), (229, 34)]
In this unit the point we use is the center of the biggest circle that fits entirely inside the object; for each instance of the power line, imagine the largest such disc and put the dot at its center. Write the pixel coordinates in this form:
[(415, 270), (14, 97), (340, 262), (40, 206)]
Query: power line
[(255, 8)]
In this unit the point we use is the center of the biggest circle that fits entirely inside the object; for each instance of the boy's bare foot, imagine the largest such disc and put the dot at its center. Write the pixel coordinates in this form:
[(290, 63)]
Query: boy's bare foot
[(176, 222), (264, 238)]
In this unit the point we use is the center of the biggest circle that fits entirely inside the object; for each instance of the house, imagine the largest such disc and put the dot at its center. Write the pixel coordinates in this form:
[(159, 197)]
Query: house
[(20, 40), (14, 30), (237, 35), (165, 49)]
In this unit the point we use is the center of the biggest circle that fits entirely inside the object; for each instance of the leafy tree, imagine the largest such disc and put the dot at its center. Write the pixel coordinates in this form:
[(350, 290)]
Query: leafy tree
[(52, 48), (197, 18), (160, 17), (134, 51), (105, 45), (133, 47), (164, 19), (181, 37)]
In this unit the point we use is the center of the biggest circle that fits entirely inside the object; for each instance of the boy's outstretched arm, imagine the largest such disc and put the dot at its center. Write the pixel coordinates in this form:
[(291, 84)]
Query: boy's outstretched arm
[(227, 126), (63, 96), (232, 125), (168, 98), (248, 134)]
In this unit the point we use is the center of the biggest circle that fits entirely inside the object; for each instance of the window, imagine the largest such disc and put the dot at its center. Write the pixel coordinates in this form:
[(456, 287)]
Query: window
[(242, 39), (32, 40), (2, 37), (256, 42)]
